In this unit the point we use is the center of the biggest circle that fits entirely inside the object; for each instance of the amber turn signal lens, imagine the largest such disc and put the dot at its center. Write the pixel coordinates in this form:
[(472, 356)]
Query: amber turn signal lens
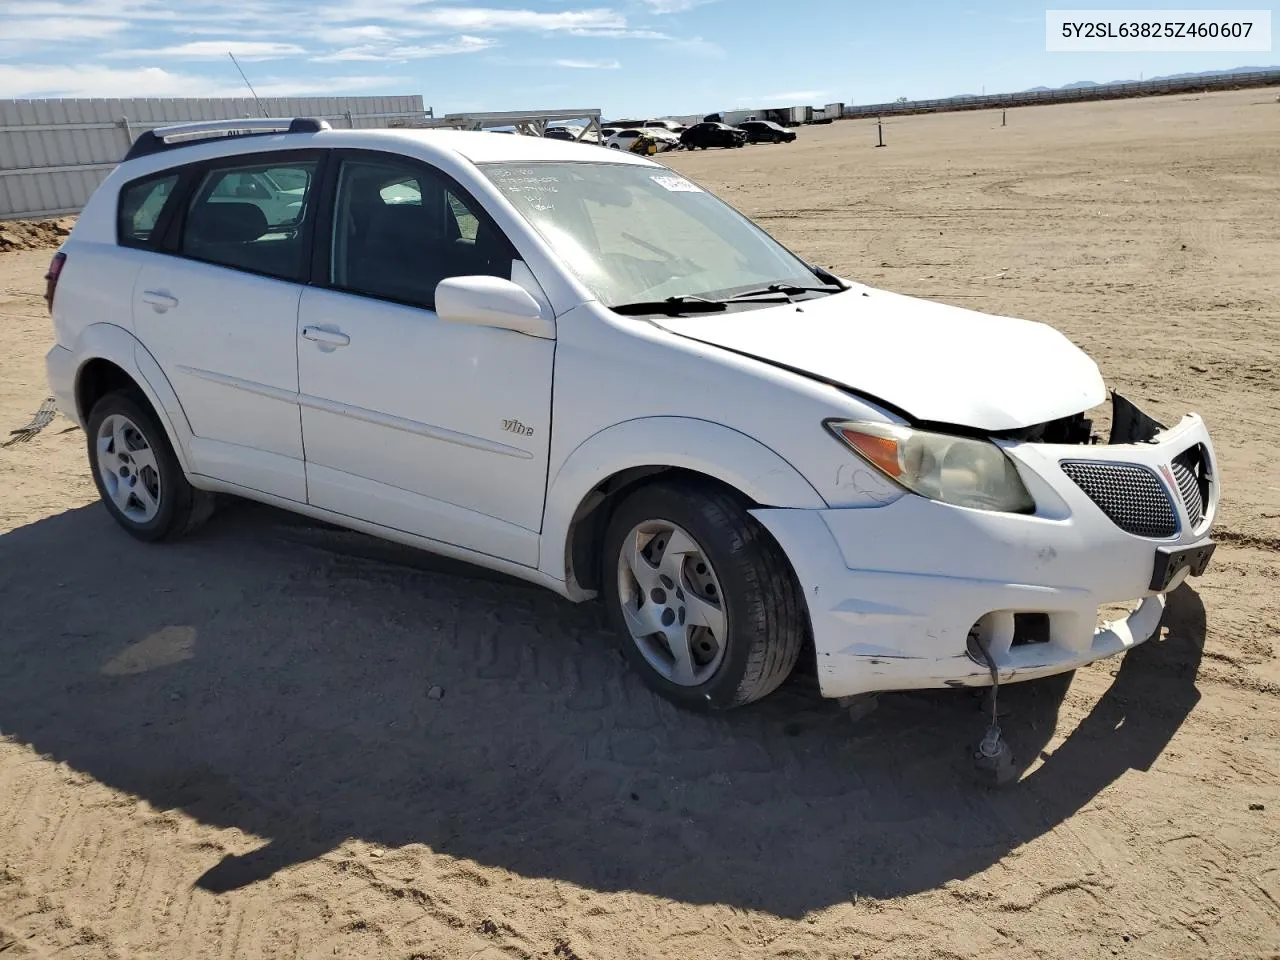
[(882, 451)]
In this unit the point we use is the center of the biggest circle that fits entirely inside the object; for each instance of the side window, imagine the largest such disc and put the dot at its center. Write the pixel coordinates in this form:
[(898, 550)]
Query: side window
[(465, 222), (252, 218), (399, 229), (141, 204), (406, 191)]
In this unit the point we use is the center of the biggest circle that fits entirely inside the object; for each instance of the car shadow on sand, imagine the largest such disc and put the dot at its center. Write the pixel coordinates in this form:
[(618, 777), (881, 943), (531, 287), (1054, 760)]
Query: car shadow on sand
[(276, 676)]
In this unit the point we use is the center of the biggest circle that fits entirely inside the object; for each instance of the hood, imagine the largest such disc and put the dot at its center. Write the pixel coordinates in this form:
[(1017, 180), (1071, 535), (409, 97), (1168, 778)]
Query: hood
[(932, 361)]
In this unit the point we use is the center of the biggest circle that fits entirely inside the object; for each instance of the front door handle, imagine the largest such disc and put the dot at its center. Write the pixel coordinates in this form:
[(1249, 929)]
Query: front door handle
[(329, 338), (159, 299)]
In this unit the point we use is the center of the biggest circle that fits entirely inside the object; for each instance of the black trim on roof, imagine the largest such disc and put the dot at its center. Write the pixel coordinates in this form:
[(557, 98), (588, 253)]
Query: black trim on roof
[(149, 143)]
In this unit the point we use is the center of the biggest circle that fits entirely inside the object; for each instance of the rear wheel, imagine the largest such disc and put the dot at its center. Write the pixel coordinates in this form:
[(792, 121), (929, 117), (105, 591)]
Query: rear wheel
[(137, 474), (703, 598)]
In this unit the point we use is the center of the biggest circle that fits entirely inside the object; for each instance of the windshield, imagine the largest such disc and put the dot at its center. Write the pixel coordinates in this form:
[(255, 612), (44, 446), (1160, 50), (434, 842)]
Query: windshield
[(634, 233)]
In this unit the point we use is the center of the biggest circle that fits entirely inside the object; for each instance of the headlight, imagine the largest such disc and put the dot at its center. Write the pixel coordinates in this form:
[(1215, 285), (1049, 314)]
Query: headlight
[(957, 470)]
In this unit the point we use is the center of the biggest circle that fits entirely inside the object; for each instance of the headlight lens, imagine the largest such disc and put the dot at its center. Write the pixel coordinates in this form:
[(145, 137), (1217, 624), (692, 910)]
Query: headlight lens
[(956, 470)]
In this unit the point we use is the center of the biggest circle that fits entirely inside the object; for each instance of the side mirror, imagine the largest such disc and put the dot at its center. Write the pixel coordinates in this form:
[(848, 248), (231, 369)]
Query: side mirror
[(492, 302)]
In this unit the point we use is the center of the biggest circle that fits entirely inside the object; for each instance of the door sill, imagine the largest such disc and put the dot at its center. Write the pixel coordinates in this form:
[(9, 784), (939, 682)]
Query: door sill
[(438, 547)]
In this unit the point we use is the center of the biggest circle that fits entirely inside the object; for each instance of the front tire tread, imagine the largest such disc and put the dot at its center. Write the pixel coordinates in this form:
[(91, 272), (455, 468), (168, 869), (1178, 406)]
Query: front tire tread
[(747, 555)]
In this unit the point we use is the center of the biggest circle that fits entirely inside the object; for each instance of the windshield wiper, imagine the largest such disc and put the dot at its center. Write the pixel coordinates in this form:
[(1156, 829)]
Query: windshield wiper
[(785, 289), (773, 293), (671, 305)]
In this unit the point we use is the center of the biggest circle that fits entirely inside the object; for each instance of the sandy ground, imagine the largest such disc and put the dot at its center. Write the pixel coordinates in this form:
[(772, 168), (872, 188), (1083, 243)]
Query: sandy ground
[(224, 748)]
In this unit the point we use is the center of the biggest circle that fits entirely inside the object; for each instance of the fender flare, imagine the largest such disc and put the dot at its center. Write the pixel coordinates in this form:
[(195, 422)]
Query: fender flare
[(106, 341), (709, 448)]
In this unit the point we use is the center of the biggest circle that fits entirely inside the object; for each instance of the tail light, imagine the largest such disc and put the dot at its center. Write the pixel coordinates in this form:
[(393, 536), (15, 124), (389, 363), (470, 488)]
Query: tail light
[(51, 278)]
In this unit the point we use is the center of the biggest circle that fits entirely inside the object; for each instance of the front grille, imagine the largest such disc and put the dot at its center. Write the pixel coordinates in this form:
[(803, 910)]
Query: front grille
[(1131, 496), (1191, 471)]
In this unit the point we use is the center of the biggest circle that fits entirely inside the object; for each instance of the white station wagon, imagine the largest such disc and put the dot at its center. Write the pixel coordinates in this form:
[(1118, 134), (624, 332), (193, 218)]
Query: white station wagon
[(578, 367)]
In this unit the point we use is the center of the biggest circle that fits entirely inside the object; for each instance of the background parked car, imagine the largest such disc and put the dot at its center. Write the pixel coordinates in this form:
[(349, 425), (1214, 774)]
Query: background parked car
[(766, 131), (625, 139), (703, 135), (572, 133), (277, 193), (671, 125)]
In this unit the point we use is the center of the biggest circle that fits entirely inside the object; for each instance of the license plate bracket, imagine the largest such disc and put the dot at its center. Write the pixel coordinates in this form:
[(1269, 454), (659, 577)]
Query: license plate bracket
[(1171, 561)]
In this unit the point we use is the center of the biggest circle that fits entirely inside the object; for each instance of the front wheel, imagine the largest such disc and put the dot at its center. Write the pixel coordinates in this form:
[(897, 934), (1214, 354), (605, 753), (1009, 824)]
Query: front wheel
[(137, 474), (702, 596)]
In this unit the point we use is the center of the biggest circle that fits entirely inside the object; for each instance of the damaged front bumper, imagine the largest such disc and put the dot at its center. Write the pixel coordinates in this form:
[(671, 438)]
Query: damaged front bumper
[(898, 595)]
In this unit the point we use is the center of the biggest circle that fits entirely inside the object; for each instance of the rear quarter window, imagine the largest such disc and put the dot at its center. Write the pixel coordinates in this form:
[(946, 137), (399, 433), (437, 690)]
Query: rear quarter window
[(141, 204)]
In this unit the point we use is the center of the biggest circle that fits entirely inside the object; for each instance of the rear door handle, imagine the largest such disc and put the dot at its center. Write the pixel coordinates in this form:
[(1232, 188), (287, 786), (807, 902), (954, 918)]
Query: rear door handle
[(159, 299), (330, 338)]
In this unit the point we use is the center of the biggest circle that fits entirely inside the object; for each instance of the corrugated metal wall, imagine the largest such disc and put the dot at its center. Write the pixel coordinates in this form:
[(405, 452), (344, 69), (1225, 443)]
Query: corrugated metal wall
[(54, 153)]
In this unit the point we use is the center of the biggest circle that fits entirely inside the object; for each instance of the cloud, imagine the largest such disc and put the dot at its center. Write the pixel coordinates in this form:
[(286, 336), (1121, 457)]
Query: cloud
[(618, 33), (41, 80), (588, 64), (131, 10), (216, 49), (401, 52), (673, 6), (163, 35), (492, 19), (699, 47), (24, 31), (569, 63), (397, 15), (370, 33)]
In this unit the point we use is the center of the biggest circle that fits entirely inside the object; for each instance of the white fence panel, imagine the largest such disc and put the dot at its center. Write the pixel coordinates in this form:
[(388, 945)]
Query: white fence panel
[(54, 153)]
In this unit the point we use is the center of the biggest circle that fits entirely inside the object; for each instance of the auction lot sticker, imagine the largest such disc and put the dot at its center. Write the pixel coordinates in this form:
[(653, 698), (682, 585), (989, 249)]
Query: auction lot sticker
[(677, 184), (1142, 31)]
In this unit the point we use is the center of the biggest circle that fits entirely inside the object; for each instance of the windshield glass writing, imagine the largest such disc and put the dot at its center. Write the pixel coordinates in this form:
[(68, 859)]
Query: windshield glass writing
[(636, 233)]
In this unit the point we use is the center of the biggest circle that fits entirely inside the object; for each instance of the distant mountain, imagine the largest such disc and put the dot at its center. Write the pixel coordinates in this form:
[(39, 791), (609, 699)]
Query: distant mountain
[(1215, 73), (1082, 84), (1172, 76)]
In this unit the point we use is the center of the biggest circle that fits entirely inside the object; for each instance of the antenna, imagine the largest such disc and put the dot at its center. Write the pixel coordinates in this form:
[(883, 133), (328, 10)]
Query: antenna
[(261, 109)]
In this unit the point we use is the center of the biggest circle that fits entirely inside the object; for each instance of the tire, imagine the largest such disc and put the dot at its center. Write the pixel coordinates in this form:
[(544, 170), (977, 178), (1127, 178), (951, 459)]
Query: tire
[(735, 579), (158, 503)]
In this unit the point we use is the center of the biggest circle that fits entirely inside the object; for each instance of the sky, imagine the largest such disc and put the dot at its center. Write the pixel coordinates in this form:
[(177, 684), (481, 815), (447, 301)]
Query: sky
[(649, 57)]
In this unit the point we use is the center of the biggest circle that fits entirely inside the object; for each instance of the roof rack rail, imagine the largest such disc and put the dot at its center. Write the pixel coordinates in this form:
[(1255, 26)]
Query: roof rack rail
[(184, 134)]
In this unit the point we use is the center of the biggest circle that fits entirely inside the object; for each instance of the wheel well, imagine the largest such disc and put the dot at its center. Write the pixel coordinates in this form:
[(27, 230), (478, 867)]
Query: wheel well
[(586, 532), (96, 379)]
